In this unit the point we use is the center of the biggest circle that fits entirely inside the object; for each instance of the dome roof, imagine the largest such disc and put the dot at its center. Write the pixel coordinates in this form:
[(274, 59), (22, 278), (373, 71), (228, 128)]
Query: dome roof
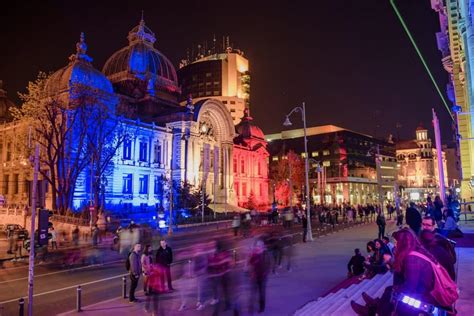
[(141, 60), (79, 71), (247, 128), (5, 105)]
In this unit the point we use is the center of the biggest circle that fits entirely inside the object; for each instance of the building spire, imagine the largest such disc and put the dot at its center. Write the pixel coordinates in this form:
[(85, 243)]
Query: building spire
[(141, 33), (81, 50)]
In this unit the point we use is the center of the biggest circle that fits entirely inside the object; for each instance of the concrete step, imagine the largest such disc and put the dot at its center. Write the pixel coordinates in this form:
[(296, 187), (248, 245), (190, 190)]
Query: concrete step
[(379, 285), (318, 307)]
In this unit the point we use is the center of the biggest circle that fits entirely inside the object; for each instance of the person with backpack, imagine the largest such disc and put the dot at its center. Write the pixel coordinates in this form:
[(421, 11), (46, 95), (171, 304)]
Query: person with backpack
[(418, 278), (134, 266)]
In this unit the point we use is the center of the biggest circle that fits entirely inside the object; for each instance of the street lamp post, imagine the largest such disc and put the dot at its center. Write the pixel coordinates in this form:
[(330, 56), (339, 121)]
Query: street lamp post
[(379, 175), (287, 122)]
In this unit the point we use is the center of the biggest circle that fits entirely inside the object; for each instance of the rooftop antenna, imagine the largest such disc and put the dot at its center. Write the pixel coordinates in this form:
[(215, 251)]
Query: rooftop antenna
[(228, 41), (214, 44), (223, 43), (142, 15)]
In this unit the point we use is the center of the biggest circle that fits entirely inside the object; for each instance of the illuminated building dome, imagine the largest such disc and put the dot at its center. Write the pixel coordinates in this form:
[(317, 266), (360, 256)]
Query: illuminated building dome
[(5, 105), (79, 71), (141, 63), (247, 128)]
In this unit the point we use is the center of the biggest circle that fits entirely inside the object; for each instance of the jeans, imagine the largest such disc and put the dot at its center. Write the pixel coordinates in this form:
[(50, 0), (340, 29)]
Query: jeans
[(381, 231), (133, 287), (259, 286), (167, 269)]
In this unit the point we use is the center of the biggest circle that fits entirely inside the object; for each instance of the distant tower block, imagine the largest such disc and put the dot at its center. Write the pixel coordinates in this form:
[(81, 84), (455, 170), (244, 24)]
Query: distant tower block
[(219, 75)]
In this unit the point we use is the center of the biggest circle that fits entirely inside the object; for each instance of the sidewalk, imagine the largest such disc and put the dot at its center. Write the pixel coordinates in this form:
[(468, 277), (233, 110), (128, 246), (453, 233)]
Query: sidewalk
[(465, 270), (316, 267)]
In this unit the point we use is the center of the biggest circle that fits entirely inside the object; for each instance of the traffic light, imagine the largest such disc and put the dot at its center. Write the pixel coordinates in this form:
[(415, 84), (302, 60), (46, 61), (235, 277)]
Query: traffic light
[(43, 226)]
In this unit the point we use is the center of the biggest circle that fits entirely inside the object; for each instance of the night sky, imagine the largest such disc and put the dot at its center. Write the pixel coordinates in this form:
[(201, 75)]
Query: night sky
[(349, 60)]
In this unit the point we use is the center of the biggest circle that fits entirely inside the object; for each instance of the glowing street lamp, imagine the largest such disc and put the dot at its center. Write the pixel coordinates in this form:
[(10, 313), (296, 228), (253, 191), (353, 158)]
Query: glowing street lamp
[(287, 123)]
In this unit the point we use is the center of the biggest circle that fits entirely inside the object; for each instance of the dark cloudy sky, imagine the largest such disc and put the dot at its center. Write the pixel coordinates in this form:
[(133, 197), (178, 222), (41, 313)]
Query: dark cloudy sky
[(349, 60)]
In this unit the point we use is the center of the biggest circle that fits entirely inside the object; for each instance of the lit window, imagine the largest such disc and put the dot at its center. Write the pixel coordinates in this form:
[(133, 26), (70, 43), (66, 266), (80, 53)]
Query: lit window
[(143, 185), (15, 183), (5, 183), (326, 163), (127, 149), (158, 187), (259, 169), (242, 166), (157, 158), (235, 165), (127, 184), (314, 154), (237, 189), (208, 74), (275, 158), (303, 155), (143, 151), (325, 152)]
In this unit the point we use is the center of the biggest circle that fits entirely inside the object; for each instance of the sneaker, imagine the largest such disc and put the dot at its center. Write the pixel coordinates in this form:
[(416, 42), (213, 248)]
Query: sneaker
[(214, 301), (369, 300), (360, 309)]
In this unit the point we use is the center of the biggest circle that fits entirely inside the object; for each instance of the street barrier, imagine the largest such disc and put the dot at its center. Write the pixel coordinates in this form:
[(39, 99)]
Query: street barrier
[(21, 305), (124, 287), (79, 299)]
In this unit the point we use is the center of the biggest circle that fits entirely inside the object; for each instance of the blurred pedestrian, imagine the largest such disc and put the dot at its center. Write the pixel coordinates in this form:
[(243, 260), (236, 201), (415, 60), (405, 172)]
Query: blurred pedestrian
[(146, 261), (10, 233), (218, 269), (164, 257), (75, 236), (236, 224), (258, 264), (305, 227), (54, 239), (135, 271), (155, 290), (95, 235), (381, 225)]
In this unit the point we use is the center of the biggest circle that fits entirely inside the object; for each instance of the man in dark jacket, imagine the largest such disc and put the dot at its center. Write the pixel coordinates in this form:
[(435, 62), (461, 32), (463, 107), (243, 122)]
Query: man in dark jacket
[(305, 227), (438, 245), (164, 257), (356, 264), (135, 271), (413, 218), (381, 225)]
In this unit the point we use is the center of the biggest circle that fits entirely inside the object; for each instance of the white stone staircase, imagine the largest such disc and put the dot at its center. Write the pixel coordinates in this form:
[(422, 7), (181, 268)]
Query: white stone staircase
[(339, 303)]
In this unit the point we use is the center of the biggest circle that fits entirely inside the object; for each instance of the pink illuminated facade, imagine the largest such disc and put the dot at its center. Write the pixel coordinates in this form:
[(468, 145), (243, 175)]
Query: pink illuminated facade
[(250, 165)]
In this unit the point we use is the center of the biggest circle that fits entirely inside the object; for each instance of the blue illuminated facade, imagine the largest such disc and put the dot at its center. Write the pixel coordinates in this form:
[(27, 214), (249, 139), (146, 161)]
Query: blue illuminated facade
[(165, 140)]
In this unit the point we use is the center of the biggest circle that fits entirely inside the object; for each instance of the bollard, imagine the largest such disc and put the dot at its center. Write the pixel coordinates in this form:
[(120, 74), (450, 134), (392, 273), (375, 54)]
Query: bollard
[(190, 269), (234, 252), (124, 287), (21, 305), (79, 299)]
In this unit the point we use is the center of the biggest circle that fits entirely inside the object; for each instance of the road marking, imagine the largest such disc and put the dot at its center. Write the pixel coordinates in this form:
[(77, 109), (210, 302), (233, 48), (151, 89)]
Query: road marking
[(63, 271), (66, 288)]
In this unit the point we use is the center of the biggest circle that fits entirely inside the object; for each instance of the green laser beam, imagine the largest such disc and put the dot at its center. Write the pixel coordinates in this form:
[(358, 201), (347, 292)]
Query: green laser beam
[(400, 18)]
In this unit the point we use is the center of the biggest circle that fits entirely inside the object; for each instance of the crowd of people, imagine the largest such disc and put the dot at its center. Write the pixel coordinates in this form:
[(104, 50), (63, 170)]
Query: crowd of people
[(215, 276), (421, 258)]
